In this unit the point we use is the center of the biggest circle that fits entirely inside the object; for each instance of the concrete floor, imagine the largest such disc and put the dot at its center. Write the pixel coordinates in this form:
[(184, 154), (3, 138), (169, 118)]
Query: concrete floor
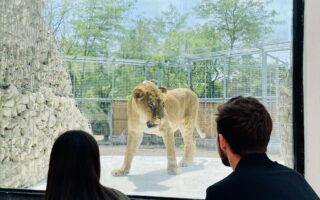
[(148, 176)]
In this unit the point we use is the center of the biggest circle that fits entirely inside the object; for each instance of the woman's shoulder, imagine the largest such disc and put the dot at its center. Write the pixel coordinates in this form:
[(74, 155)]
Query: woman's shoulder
[(119, 195)]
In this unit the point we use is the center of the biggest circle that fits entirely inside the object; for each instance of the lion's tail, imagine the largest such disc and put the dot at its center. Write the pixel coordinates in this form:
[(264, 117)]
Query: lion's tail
[(201, 134)]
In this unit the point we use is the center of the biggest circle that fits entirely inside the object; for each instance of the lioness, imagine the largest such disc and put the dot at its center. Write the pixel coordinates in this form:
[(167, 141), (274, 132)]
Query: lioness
[(155, 110)]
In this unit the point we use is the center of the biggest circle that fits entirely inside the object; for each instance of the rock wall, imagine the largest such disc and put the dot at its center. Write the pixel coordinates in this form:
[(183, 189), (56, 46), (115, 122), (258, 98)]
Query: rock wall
[(35, 90), (286, 131)]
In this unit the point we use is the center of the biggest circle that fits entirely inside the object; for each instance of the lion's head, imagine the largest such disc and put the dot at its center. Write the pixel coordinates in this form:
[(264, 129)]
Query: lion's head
[(150, 101)]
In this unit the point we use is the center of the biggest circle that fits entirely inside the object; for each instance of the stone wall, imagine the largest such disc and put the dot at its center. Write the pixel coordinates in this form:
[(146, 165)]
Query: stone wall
[(286, 131), (35, 89)]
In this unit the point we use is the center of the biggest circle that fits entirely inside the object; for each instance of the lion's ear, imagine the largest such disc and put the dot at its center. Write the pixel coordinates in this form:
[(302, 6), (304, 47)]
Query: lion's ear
[(138, 93), (163, 89)]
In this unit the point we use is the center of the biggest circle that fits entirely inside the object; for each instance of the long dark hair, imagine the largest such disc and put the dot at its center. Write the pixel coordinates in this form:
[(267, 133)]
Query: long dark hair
[(74, 169)]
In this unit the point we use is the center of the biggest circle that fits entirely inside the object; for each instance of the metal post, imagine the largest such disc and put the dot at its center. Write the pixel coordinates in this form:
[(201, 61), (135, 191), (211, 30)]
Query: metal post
[(74, 85), (205, 78), (225, 77), (188, 74), (114, 66), (277, 78), (264, 74), (159, 76), (277, 101), (81, 83), (145, 72), (113, 79)]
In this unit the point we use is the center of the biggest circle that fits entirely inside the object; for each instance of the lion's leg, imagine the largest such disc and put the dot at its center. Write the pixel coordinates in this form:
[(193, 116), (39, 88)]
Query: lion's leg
[(189, 143), (168, 138), (134, 141)]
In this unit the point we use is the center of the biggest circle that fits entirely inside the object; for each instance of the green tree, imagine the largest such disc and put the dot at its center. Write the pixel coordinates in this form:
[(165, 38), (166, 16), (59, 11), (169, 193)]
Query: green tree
[(57, 14), (242, 22), (96, 27), (239, 23), (169, 21), (138, 42)]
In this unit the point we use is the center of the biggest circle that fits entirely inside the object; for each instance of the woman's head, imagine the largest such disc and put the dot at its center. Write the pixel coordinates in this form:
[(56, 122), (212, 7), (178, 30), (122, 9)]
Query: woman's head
[(74, 168)]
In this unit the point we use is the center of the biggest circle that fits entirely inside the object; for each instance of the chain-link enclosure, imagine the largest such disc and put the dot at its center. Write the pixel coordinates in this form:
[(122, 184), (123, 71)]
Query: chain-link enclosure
[(101, 86)]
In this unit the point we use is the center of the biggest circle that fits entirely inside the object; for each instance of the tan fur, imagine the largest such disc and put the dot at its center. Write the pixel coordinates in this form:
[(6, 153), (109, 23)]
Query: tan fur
[(166, 111)]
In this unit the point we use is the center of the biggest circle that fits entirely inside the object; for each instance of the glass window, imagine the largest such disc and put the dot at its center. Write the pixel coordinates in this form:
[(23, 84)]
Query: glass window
[(73, 64)]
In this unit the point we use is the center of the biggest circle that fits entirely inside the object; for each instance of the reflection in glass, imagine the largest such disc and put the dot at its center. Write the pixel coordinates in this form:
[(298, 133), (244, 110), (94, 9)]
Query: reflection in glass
[(73, 64)]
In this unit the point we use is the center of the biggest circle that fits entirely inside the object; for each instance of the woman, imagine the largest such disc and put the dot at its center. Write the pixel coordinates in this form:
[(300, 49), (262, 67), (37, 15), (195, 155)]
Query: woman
[(74, 169)]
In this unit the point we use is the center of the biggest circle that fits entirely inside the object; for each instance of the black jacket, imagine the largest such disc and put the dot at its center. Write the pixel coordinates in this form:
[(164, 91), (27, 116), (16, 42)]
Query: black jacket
[(256, 177)]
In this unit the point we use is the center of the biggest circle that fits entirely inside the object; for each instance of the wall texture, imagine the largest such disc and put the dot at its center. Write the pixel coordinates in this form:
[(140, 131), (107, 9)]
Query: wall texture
[(311, 79), (35, 88), (285, 119)]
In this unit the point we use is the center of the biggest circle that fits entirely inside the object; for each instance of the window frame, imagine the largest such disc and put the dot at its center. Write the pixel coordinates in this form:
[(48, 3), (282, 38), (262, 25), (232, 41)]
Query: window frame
[(297, 85), (297, 109)]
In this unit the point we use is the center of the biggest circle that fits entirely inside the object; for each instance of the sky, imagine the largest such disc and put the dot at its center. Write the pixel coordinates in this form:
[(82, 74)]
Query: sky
[(284, 10), (154, 8)]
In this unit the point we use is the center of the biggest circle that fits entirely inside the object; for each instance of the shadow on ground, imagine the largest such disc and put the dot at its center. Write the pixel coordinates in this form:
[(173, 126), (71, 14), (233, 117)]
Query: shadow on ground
[(156, 180)]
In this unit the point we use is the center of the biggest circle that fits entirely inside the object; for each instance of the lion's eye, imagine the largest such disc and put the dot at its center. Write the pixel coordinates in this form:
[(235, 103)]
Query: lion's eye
[(151, 106)]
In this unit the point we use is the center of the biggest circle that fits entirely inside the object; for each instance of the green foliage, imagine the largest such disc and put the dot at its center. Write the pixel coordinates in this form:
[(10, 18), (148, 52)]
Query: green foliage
[(241, 22), (138, 42), (102, 28), (98, 113), (87, 80), (95, 27)]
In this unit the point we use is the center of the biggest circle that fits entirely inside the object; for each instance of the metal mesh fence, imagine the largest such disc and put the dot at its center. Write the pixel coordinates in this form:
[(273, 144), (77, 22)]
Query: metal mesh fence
[(101, 86)]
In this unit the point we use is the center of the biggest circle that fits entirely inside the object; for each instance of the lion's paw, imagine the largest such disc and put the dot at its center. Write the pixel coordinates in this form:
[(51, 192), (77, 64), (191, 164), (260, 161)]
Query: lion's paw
[(184, 163), (173, 170), (119, 172)]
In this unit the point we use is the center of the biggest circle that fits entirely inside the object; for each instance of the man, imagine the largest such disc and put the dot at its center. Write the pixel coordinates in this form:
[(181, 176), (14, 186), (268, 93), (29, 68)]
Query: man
[(244, 126)]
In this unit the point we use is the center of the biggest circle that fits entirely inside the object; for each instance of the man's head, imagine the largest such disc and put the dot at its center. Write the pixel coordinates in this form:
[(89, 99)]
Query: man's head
[(245, 125)]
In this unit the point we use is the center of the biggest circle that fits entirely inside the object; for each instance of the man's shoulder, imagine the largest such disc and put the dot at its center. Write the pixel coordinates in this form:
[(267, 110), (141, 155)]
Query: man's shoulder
[(222, 189), (277, 182), (248, 178), (225, 183)]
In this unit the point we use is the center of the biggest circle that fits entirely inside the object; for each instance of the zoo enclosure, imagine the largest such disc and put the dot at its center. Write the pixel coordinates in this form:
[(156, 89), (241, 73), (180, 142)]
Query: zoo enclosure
[(102, 85)]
